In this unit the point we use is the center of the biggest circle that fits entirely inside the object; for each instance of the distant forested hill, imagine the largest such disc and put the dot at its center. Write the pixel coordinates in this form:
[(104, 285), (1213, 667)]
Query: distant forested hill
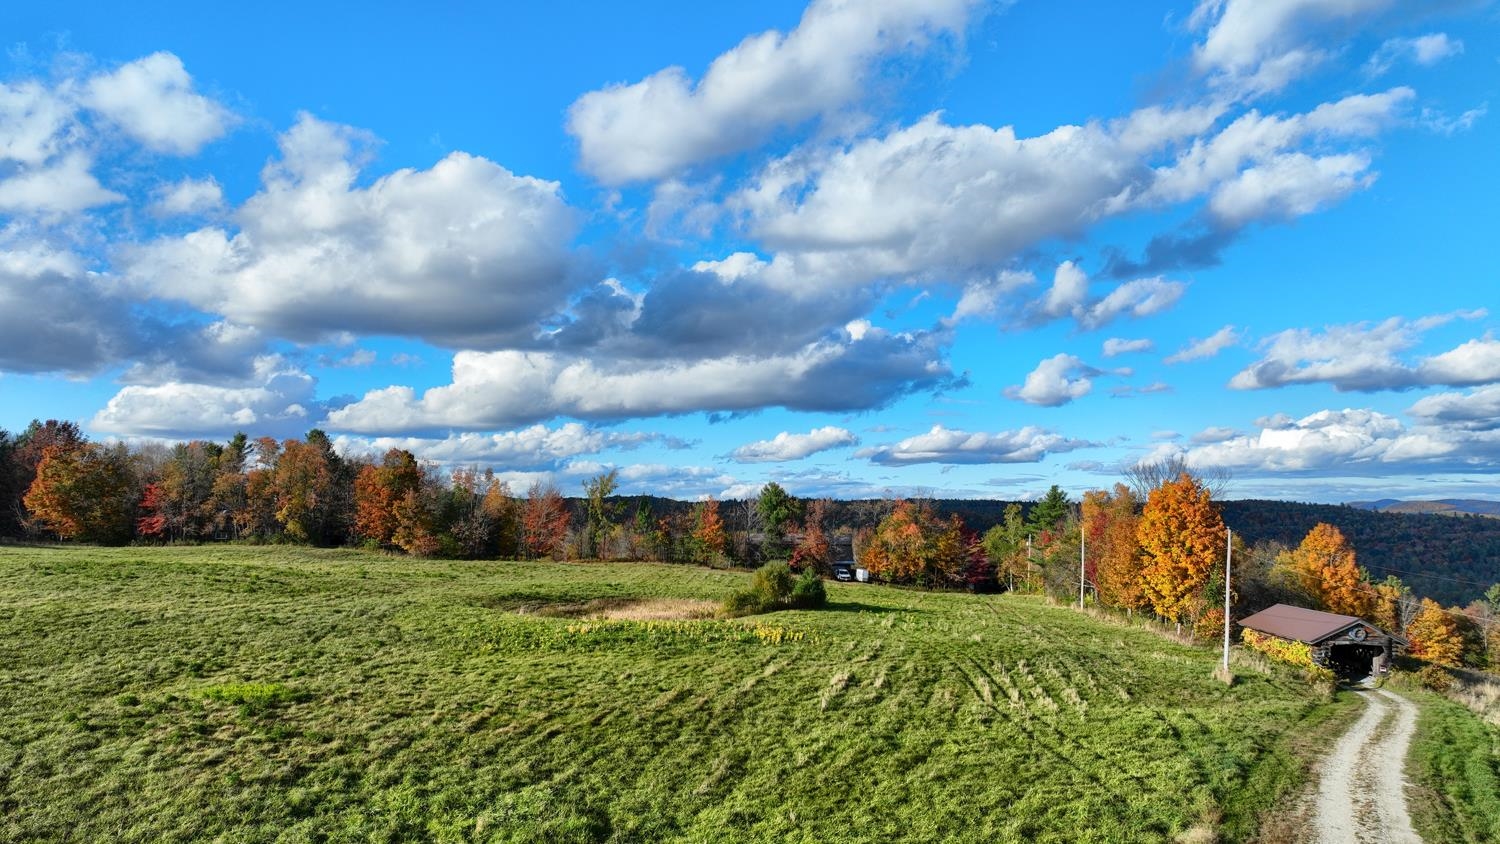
[(1449, 558)]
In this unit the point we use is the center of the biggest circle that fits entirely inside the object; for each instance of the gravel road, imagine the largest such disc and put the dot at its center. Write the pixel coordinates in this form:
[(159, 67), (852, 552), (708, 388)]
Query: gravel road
[(1362, 793)]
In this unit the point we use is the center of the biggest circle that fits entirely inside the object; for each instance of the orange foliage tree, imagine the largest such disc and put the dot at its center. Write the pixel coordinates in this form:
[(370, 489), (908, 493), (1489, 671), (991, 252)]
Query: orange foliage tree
[(1436, 636), (380, 494), (1182, 537), (504, 513), (305, 488), (1324, 565), (84, 492), (709, 536), (1110, 523), (913, 545)]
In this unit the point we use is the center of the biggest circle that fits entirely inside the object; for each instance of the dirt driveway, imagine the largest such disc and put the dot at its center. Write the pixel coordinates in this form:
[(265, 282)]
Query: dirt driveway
[(1361, 793)]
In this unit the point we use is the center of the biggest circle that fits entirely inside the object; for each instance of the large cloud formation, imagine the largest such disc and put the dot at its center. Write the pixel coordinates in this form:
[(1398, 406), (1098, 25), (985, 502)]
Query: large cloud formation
[(861, 370), (1364, 357), (667, 122), (465, 253)]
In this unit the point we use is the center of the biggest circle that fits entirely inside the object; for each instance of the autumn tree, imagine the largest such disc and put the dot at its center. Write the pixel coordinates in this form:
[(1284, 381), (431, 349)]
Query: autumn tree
[(84, 492), (416, 524), (813, 549), (504, 512), (182, 498), (1147, 475), (912, 545), (1393, 606), (1436, 636), (709, 538), (313, 493), (258, 517), (20, 458), (380, 496), (1182, 537), (1323, 564), (227, 497), (151, 523), (544, 521), (1006, 547), (1110, 523)]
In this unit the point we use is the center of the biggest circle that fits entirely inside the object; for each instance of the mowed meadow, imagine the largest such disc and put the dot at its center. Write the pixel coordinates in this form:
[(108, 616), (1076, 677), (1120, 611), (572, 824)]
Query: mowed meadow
[(237, 693)]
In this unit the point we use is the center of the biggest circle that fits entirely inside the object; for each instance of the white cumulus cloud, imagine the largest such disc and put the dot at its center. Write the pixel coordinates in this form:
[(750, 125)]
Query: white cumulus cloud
[(187, 197), (667, 121), (787, 446), (1207, 347), (1057, 380), (945, 445), (464, 253), (282, 404), (152, 99)]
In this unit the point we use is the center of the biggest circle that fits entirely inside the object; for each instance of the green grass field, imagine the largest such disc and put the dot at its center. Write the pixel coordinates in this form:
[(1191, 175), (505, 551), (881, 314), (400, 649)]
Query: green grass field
[(269, 694)]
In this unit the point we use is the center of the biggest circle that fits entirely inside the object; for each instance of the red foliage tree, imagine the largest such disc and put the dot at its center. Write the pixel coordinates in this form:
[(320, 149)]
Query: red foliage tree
[(151, 523), (813, 549), (544, 521)]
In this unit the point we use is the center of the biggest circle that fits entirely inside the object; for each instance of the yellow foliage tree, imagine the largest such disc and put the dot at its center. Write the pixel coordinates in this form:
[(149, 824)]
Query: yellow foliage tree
[(1182, 537), (1436, 636), (1389, 596)]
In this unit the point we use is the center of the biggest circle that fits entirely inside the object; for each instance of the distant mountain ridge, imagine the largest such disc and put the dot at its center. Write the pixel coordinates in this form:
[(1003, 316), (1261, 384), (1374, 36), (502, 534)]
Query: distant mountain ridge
[(1440, 506)]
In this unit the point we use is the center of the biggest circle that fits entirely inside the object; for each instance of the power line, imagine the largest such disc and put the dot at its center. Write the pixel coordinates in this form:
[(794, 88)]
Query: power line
[(1434, 576)]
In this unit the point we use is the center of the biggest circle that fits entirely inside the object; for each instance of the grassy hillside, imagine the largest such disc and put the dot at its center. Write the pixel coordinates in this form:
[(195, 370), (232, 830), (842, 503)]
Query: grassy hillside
[(247, 694)]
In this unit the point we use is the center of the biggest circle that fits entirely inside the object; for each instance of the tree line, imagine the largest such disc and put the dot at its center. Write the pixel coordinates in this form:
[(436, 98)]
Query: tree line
[(1163, 554), (56, 484), (1154, 547)]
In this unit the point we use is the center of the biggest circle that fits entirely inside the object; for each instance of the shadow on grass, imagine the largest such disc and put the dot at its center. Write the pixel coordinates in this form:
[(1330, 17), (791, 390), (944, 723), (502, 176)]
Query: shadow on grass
[(856, 606)]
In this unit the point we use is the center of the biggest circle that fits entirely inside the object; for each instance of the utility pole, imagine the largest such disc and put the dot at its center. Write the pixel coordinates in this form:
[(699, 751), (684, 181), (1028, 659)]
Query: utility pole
[(1082, 554), (1028, 560), (1228, 562)]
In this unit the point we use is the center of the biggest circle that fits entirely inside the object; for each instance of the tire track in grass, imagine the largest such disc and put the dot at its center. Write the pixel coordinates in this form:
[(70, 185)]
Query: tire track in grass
[(1067, 749)]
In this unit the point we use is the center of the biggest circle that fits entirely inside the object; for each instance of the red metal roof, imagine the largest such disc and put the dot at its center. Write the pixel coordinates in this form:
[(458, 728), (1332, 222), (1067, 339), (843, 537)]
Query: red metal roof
[(1300, 624)]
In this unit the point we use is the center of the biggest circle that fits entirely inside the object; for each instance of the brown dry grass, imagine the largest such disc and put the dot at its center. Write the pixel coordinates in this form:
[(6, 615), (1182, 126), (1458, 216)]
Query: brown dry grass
[(1480, 693)]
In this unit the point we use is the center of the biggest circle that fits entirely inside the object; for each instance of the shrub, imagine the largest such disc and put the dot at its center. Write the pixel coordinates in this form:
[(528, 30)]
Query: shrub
[(774, 588), (808, 592), (773, 584), (743, 603), (1282, 650), (1436, 678), (1209, 628)]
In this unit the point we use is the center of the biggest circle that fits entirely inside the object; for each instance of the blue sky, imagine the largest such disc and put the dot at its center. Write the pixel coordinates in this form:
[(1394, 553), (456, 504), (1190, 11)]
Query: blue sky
[(860, 248)]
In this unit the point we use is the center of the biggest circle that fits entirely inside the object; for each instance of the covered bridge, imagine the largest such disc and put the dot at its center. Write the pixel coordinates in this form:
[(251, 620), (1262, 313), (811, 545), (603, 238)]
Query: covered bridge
[(1353, 648)]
